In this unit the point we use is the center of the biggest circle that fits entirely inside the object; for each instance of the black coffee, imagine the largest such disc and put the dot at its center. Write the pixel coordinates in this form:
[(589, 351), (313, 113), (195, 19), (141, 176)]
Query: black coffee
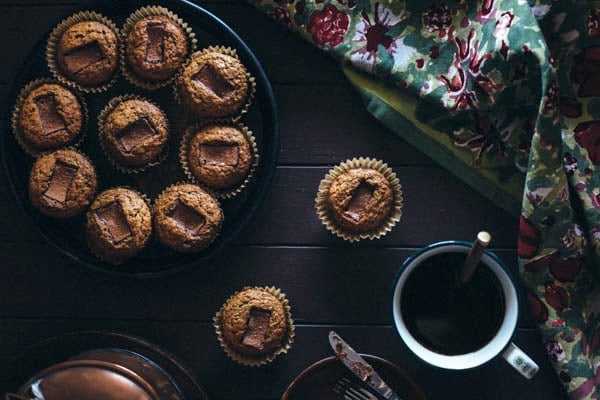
[(449, 317)]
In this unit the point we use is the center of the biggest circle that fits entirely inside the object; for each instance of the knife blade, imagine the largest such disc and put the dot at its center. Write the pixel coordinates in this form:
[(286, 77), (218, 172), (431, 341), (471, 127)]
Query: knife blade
[(359, 367)]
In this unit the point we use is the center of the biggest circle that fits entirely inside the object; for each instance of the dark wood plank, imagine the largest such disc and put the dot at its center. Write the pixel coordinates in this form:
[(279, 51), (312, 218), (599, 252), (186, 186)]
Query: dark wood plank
[(324, 285), (196, 344), (437, 206), (334, 123)]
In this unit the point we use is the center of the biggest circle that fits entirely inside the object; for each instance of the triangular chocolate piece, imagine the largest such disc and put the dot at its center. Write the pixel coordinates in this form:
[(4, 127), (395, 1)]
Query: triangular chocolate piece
[(113, 218), (210, 79), (82, 57), (135, 133), (219, 154), (187, 218), (155, 47), (61, 179), (257, 328), (361, 197), (50, 118)]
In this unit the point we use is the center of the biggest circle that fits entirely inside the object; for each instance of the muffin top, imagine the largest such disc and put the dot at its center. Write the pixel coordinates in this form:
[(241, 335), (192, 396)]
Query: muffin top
[(119, 224), (87, 53), (360, 199), (213, 85), (220, 156), (62, 183), (156, 48), (135, 133), (50, 117), (254, 322), (187, 218)]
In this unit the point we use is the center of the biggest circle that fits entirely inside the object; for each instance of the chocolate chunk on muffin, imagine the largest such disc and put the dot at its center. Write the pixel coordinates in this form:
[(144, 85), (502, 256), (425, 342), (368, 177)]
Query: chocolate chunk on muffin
[(155, 48), (133, 132), (360, 199), (119, 224), (213, 84), (62, 183), (254, 322), (219, 156), (50, 116), (187, 218), (87, 53)]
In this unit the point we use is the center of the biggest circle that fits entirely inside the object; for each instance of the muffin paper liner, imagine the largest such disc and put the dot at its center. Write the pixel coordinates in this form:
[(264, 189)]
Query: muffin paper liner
[(119, 261), (52, 49), (15, 123), (183, 152), (151, 11), (187, 183), (324, 211), (101, 125), (258, 360), (45, 153), (230, 52)]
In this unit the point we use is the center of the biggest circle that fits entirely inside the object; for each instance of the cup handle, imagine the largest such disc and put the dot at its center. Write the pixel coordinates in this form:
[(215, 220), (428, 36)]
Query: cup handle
[(520, 361)]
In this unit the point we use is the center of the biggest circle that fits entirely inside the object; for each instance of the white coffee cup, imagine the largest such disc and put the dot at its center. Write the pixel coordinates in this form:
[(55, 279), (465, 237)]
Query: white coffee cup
[(500, 343)]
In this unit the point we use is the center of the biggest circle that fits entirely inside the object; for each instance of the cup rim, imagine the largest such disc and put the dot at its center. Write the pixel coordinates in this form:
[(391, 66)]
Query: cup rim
[(501, 339)]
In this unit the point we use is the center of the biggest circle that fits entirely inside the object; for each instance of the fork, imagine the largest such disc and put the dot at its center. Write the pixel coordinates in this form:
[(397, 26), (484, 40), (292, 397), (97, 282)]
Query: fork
[(352, 391)]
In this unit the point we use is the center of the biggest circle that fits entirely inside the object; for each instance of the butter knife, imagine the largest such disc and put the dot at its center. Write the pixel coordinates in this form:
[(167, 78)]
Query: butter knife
[(359, 367)]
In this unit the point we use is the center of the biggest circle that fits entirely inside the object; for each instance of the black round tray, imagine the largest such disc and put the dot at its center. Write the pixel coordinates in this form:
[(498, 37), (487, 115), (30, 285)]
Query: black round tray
[(61, 348), (156, 259)]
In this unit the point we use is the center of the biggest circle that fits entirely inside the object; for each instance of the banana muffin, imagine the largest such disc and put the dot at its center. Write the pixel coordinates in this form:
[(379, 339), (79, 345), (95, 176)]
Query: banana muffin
[(187, 219), (360, 199), (62, 183), (119, 224), (219, 156), (87, 53), (213, 84), (254, 322), (155, 48), (134, 133), (50, 116)]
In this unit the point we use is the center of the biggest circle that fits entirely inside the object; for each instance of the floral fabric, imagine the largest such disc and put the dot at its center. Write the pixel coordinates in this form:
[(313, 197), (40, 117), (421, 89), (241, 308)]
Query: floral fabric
[(505, 93)]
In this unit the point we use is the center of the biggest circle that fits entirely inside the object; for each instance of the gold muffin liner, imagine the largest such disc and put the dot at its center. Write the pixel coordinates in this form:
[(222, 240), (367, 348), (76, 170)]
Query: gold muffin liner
[(151, 11), (119, 261), (45, 153), (324, 210), (183, 152), (101, 125), (16, 126), (54, 40), (188, 183), (230, 52), (258, 360)]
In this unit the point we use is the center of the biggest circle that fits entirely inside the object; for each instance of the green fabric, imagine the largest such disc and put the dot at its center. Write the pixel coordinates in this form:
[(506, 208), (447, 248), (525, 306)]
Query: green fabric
[(504, 93)]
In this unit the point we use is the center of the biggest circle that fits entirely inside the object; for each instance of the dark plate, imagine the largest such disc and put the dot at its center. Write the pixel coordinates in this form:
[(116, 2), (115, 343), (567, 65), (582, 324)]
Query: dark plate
[(317, 381), (62, 348), (155, 259)]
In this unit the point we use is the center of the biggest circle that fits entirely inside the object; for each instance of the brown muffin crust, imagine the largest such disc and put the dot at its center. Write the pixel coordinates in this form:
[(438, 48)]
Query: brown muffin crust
[(187, 218), (156, 48), (220, 156), (62, 183), (119, 224), (87, 53), (243, 310), (213, 85), (135, 133), (360, 199), (50, 117)]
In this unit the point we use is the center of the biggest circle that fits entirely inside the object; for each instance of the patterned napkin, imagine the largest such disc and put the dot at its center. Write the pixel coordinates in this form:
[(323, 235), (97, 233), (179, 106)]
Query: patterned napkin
[(504, 93)]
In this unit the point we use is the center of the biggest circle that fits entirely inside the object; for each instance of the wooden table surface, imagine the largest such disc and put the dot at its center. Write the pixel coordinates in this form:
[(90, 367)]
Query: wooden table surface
[(330, 283)]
